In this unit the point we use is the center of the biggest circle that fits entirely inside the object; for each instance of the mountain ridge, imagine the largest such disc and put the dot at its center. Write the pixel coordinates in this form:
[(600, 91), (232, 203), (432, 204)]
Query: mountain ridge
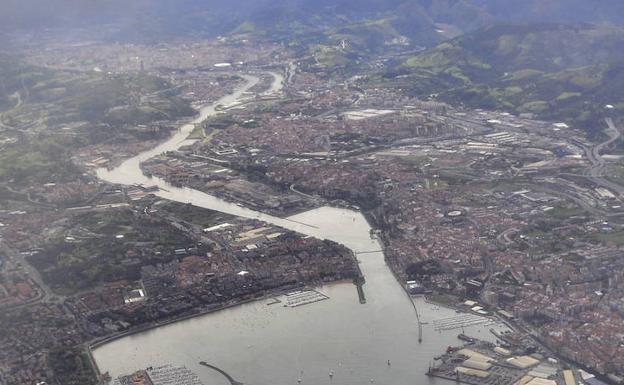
[(155, 19), (552, 71)]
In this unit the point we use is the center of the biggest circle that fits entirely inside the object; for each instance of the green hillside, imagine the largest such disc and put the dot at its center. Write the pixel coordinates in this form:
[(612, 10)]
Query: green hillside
[(553, 71), (98, 107)]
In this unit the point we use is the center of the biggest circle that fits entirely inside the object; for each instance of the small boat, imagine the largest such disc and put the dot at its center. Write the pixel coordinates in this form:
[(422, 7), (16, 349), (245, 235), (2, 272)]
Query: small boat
[(464, 337)]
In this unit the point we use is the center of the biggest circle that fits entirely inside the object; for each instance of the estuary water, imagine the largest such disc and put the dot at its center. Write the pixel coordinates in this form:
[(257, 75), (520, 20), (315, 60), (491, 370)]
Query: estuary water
[(262, 344)]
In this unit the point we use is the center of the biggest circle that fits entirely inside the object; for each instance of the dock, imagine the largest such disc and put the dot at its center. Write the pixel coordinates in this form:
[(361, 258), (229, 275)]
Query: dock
[(359, 284), (483, 363), (231, 380)]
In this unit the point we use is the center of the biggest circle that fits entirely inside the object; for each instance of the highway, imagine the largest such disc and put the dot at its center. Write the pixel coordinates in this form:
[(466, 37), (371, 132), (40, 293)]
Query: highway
[(597, 171)]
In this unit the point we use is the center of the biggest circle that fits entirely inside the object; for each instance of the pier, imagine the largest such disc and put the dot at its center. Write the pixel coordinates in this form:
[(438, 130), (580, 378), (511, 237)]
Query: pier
[(359, 284), (227, 376)]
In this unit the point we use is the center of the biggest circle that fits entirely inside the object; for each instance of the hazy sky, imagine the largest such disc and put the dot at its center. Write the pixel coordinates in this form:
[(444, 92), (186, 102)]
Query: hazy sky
[(33, 13), (45, 13)]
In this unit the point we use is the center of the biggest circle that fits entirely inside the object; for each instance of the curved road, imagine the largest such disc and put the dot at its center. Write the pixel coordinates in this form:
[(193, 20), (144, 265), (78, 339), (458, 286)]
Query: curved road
[(597, 170)]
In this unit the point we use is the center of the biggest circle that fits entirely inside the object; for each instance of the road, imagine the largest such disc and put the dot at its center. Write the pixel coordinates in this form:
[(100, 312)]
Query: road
[(294, 189), (505, 236), (598, 168), (17, 259)]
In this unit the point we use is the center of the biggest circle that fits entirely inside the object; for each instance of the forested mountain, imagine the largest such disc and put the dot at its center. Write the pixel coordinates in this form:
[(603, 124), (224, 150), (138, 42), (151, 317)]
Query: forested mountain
[(151, 19), (554, 58), (553, 71)]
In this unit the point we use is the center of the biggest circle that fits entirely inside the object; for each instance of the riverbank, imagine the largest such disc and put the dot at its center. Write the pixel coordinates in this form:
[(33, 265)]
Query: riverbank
[(263, 344), (99, 342)]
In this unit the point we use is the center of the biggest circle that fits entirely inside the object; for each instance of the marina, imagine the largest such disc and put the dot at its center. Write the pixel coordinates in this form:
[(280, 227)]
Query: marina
[(162, 375), (300, 298), (461, 321)]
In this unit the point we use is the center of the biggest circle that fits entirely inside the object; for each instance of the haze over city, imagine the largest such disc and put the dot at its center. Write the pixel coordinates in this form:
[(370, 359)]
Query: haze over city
[(256, 192)]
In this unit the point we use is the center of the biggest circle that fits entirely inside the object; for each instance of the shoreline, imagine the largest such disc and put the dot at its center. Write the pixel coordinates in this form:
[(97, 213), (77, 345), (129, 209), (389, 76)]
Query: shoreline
[(96, 343), (380, 239), (176, 124), (101, 341)]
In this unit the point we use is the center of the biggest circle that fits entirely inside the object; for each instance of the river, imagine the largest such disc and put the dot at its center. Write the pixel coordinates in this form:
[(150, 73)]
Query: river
[(262, 344)]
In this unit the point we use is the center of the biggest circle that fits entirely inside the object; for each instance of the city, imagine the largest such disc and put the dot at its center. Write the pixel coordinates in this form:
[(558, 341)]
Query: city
[(154, 183)]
